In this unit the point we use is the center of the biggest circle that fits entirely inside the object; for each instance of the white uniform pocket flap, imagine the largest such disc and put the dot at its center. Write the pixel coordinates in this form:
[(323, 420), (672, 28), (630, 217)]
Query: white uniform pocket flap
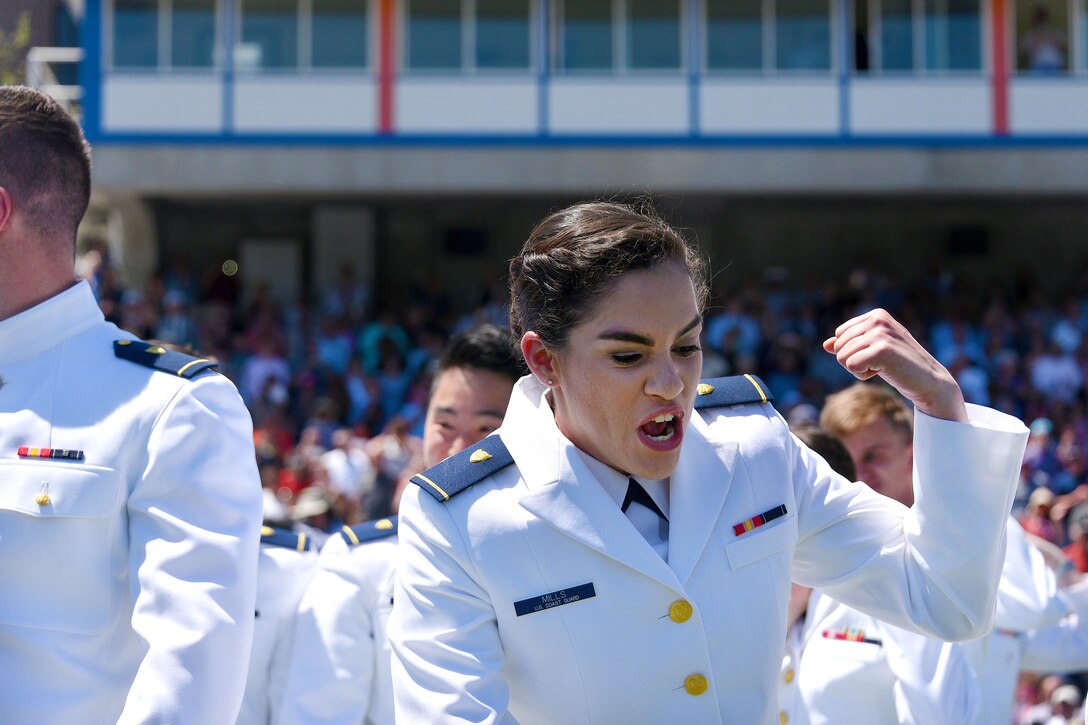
[(759, 543), (48, 489)]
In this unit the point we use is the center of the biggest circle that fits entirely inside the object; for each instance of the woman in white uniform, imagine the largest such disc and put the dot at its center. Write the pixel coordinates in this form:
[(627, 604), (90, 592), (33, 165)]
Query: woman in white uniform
[(621, 549)]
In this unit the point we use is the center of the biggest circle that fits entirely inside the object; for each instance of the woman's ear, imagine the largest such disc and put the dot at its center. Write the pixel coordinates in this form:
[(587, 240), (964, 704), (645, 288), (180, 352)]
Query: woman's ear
[(541, 360)]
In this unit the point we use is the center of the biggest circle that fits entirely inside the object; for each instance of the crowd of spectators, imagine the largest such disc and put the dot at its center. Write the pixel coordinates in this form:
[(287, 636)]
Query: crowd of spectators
[(338, 388)]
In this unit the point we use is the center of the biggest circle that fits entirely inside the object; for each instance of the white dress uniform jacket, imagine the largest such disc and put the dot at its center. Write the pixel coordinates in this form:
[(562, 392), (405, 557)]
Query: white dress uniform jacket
[(286, 564), (857, 669), (530, 597), (130, 570), (791, 706), (1063, 646), (1028, 599), (339, 668)]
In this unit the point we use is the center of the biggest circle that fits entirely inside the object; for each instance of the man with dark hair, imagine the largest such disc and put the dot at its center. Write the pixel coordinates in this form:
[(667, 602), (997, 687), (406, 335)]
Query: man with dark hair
[(339, 668), (130, 505)]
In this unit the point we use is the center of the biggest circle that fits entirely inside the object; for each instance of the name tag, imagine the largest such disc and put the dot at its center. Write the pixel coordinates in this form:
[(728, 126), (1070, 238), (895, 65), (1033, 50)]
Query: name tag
[(555, 599)]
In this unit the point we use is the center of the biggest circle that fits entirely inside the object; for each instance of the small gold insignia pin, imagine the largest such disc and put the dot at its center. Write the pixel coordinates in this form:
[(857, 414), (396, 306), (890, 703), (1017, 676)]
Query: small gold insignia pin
[(156, 350), (267, 531), (704, 389), (384, 525), (479, 456), (124, 342)]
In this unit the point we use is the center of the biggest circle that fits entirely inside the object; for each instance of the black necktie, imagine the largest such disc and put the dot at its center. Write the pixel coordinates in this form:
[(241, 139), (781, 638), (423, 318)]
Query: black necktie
[(647, 518), (637, 494)]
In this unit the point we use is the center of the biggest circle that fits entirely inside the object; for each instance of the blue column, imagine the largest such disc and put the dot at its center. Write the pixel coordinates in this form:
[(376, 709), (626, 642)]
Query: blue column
[(695, 65), (90, 70), (846, 41), (543, 58), (230, 9)]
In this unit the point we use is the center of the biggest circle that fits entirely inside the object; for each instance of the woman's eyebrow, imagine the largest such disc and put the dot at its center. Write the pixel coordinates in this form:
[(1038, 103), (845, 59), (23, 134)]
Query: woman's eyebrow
[(625, 336)]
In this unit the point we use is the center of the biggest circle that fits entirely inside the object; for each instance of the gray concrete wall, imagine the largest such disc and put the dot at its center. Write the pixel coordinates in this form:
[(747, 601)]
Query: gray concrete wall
[(574, 170)]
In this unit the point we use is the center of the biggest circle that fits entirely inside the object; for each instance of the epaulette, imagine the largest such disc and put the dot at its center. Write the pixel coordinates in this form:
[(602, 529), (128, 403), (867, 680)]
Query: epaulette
[(461, 470), (158, 357), (733, 390), (288, 539), (369, 531)]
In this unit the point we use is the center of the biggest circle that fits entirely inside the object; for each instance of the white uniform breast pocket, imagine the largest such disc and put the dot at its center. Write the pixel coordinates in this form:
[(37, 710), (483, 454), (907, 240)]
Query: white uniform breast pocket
[(56, 540), (762, 542)]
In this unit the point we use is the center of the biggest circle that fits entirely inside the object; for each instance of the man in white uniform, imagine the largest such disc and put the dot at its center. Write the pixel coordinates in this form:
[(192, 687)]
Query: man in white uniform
[(875, 425), (339, 666), (287, 563), (844, 666), (130, 505)]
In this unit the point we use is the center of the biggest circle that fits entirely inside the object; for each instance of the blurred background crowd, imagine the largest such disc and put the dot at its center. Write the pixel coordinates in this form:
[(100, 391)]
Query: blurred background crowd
[(338, 390)]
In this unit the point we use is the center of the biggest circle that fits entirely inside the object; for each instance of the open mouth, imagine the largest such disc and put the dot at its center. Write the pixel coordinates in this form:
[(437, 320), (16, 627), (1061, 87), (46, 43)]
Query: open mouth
[(663, 432), (661, 428)]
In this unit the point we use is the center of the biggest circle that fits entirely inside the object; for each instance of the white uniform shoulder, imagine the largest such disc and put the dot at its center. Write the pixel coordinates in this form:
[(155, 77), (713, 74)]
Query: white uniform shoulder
[(732, 391), (369, 531), (461, 470), (159, 358)]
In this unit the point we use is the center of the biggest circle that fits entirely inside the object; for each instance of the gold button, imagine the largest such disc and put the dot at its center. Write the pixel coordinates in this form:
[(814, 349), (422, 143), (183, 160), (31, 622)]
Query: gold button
[(783, 717), (695, 684), (789, 676), (42, 499), (680, 611)]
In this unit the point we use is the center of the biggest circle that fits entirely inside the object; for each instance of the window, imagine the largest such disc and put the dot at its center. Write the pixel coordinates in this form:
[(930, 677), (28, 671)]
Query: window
[(340, 34), (734, 34), (897, 35), (648, 32), (767, 35), (803, 34), (164, 33), (953, 35), (270, 33), (502, 33), (192, 34), (922, 36), (303, 34), (587, 35), (135, 33), (1042, 38), (653, 34), (434, 34), (468, 34)]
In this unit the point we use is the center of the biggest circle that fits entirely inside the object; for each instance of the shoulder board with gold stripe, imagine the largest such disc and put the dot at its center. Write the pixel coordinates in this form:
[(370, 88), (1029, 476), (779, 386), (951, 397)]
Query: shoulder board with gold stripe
[(285, 538), (733, 390), (159, 358), (461, 470), (369, 531)]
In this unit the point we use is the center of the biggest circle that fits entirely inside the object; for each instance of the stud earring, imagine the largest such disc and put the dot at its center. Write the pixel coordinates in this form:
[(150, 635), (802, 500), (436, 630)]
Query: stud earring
[(551, 382)]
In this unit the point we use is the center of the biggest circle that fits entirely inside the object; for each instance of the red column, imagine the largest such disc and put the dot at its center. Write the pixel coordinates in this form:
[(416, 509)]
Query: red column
[(1000, 62), (387, 46)]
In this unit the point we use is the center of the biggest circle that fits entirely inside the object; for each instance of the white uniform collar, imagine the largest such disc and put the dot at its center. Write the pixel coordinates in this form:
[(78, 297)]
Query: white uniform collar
[(49, 323), (615, 483)]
